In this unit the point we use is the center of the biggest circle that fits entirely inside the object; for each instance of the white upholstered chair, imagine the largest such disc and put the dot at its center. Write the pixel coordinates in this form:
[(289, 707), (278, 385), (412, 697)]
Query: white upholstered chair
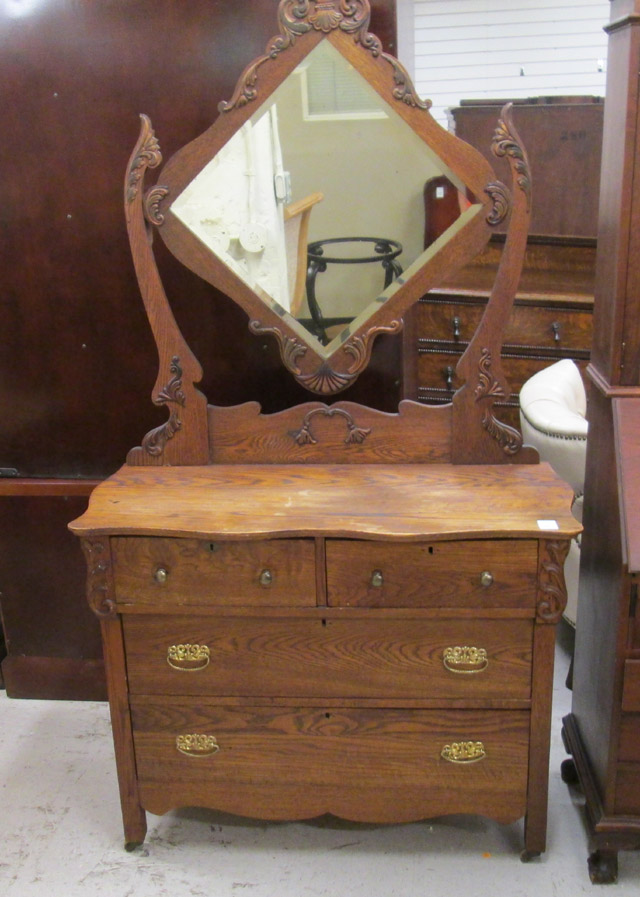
[(553, 408)]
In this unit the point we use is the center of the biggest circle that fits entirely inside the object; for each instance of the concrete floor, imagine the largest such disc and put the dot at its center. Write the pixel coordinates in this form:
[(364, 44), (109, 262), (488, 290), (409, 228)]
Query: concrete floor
[(61, 834)]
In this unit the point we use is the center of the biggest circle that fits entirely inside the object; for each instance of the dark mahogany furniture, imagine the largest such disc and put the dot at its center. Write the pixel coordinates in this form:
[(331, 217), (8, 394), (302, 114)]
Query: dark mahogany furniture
[(329, 608), (603, 731), (552, 314)]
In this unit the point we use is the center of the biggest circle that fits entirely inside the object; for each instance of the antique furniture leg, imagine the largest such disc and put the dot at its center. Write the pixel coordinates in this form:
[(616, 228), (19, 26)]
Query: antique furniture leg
[(133, 816), (535, 826)]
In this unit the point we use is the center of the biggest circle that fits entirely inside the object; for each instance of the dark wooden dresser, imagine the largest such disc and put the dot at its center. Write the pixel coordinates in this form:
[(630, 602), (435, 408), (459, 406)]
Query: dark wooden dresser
[(552, 313)]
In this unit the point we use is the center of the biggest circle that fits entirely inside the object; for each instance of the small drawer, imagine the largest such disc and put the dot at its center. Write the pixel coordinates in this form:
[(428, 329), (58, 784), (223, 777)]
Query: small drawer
[(376, 659), (549, 328), (188, 572), (293, 762), (440, 574)]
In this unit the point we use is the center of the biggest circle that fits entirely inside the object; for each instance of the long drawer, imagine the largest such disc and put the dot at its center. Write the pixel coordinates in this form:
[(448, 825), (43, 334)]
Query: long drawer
[(440, 574), (160, 571), (375, 765), (553, 327), (333, 658)]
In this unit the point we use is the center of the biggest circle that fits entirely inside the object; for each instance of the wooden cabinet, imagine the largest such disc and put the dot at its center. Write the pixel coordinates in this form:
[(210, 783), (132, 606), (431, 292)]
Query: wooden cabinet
[(552, 314), (602, 732)]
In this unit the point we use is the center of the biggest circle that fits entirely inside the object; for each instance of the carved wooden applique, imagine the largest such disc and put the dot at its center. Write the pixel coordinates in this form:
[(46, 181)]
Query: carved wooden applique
[(100, 591), (552, 593)]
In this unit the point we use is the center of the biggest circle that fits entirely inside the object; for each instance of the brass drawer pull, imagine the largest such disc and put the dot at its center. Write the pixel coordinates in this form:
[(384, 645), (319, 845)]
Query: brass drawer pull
[(161, 575), (486, 579), (178, 656), (266, 578), (377, 580), (465, 659), (197, 745), (463, 752)]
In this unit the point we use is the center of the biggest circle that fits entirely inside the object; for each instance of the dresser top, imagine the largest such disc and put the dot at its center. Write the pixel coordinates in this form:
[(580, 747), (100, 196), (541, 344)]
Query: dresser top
[(399, 501)]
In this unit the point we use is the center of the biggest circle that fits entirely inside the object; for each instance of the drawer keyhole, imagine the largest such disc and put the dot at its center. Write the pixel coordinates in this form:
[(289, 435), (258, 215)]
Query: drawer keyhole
[(377, 580)]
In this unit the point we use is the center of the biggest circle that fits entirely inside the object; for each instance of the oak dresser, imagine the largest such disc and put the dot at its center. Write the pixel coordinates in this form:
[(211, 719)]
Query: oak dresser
[(330, 609)]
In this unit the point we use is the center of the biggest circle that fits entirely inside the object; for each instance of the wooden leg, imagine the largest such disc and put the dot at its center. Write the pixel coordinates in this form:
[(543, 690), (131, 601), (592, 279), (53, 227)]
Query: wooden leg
[(535, 826), (133, 816), (603, 867)]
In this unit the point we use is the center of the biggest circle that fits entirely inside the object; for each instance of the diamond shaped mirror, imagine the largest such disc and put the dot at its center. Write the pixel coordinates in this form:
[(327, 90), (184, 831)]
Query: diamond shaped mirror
[(303, 202)]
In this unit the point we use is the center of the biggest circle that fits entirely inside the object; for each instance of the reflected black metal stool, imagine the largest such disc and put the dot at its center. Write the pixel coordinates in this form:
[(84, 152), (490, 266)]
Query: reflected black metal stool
[(385, 253)]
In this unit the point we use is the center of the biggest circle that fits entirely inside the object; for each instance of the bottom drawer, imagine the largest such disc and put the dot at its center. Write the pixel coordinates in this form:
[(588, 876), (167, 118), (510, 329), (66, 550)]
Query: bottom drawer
[(375, 765)]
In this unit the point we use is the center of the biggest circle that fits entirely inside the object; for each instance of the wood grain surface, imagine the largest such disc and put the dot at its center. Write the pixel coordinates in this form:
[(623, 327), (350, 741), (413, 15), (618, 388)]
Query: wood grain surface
[(292, 763), (380, 501), (330, 657)]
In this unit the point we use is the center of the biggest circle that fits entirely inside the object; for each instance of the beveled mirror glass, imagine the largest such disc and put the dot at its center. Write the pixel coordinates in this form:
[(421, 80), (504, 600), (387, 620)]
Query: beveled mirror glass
[(316, 203), (304, 201)]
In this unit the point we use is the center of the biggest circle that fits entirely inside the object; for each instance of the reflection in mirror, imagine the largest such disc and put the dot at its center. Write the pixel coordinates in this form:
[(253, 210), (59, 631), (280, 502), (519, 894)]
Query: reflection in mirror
[(317, 201)]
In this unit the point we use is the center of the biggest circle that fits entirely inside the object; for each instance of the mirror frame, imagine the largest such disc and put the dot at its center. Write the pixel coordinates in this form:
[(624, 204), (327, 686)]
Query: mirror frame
[(466, 431), (303, 25)]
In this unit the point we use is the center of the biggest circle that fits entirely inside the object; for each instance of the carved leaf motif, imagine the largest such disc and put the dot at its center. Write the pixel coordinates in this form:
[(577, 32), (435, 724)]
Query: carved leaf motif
[(296, 17), (290, 348), (155, 440), (552, 598), (148, 156), (501, 199), (99, 588), (506, 144), (507, 437), (151, 204), (172, 392), (355, 434), (487, 383)]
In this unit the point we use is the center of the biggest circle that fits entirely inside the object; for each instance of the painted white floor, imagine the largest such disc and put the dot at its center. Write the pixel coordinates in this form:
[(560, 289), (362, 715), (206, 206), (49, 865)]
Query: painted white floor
[(60, 833)]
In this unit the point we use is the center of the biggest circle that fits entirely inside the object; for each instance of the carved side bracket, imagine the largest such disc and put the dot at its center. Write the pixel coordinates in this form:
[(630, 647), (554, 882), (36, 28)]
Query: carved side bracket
[(298, 17), (174, 353), (552, 589), (355, 434), (324, 380), (509, 439), (100, 592), (507, 143)]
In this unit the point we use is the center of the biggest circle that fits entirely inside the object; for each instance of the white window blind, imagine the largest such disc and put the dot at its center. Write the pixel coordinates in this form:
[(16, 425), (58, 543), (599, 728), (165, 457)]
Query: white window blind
[(493, 49)]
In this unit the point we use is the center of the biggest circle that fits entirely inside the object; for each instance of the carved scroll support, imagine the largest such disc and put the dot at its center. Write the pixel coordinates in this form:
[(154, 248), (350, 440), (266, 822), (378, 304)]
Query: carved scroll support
[(478, 433), (552, 589), (100, 591), (324, 379), (183, 438)]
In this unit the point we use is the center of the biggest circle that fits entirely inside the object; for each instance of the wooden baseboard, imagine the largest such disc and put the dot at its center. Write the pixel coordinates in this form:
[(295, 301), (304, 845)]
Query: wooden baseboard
[(54, 678)]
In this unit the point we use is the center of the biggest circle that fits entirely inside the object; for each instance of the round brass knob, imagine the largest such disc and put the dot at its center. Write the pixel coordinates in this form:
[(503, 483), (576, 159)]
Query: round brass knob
[(161, 575), (486, 578), (266, 578), (377, 579)]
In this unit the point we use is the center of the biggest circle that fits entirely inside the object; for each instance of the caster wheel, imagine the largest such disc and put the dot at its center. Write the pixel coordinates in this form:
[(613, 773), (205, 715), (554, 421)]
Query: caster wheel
[(603, 867), (569, 773), (527, 855)]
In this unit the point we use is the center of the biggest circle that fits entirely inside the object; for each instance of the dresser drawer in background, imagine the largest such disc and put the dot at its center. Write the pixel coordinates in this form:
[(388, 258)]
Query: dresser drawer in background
[(376, 659), (548, 327), (496, 573), (184, 572), (367, 764)]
